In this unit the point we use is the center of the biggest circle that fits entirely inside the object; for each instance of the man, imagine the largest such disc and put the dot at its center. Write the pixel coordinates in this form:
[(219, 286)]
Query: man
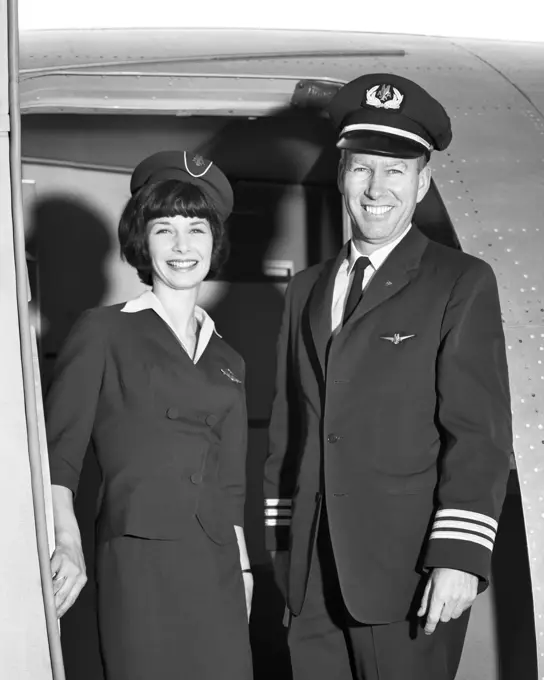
[(391, 427)]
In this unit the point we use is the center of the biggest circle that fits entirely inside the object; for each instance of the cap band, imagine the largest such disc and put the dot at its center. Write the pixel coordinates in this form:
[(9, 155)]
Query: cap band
[(387, 130)]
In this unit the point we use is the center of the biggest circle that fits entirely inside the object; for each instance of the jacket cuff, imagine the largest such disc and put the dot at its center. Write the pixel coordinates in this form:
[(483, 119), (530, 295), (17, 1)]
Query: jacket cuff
[(462, 539), (63, 476), (277, 521)]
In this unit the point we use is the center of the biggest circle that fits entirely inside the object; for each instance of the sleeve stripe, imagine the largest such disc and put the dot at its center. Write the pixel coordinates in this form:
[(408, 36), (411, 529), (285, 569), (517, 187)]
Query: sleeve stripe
[(278, 502), (468, 515), (277, 522), (467, 526), (459, 536), (277, 512)]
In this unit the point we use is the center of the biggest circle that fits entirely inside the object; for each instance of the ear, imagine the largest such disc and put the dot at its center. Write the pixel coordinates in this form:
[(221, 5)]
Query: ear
[(424, 182), (340, 176)]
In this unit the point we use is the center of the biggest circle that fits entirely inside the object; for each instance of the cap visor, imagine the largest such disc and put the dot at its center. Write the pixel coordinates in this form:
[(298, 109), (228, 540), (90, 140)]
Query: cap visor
[(381, 145)]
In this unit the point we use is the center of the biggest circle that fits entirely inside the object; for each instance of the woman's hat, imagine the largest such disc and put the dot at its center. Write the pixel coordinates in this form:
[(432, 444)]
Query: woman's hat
[(186, 166)]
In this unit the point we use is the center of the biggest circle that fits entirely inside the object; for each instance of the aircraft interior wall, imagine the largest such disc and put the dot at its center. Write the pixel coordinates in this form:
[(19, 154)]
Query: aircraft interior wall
[(287, 216)]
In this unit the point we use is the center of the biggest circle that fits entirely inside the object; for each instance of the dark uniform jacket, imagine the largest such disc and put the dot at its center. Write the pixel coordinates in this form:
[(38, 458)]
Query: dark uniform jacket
[(169, 435), (402, 421)]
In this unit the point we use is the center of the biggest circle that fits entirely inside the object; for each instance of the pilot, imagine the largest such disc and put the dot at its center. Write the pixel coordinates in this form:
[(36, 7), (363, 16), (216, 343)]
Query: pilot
[(391, 426), (161, 396)]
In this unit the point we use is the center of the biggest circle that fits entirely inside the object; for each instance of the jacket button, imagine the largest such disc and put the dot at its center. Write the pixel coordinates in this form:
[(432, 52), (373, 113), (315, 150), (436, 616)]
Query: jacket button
[(172, 413), (211, 420), (196, 478), (333, 438)]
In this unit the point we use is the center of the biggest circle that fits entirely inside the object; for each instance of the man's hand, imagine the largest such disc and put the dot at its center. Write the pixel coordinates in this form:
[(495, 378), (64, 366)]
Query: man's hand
[(448, 593), (248, 589)]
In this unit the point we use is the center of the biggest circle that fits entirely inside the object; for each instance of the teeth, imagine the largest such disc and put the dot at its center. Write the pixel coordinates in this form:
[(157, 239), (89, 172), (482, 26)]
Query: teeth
[(182, 264), (378, 209)]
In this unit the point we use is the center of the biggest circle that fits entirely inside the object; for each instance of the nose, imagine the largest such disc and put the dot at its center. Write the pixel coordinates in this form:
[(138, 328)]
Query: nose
[(181, 242), (376, 186)]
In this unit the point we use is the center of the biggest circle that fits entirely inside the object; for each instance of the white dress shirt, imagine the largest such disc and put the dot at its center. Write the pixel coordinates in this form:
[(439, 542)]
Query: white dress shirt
[(344, 277), (149, 300)]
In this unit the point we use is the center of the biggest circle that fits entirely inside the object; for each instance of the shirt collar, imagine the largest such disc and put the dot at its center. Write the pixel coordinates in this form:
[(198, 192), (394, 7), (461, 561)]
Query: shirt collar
[(378, 257), (149, 300)]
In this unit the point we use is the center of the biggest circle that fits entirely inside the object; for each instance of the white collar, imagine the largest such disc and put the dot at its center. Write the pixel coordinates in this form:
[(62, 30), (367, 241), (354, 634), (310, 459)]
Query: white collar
[(378, 257), (149, 300)]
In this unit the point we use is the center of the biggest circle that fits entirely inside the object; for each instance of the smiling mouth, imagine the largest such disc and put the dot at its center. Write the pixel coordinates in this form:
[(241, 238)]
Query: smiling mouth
[(377, 210), (182, 265)]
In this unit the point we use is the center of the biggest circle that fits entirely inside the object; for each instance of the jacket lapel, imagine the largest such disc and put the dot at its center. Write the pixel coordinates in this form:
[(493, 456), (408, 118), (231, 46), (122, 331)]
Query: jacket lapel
[(320, 306), (394, 274)]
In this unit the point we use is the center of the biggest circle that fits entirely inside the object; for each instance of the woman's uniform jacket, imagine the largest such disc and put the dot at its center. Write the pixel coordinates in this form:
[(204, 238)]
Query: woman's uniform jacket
[(169, 434), (402, 422)]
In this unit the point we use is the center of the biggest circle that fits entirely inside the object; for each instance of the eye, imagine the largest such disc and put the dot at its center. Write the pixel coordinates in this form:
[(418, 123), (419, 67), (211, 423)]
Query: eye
[(198, 230), (163, 230), (395, 171), (360, 169)]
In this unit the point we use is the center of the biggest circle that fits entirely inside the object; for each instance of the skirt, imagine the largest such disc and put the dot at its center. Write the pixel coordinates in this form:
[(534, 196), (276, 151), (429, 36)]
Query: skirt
[(172, 610)]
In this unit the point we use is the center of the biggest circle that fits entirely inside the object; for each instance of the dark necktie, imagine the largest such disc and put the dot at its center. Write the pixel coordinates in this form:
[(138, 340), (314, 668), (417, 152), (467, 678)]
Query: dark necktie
[(356, 290)]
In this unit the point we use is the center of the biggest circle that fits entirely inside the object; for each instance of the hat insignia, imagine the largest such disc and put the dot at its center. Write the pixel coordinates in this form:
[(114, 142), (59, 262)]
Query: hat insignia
[(196, 165), (384, 97)]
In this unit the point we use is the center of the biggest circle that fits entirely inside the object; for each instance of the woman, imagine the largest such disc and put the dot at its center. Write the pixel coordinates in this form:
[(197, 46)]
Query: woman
[(161, 396)]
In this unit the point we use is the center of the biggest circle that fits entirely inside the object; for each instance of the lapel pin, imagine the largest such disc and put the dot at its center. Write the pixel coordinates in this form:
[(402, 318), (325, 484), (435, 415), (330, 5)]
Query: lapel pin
[(397, 338), (389, 283), (230, 375)]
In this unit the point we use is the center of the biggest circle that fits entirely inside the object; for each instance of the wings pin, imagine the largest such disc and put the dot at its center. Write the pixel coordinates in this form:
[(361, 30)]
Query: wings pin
[(397, 338), (230, 375)]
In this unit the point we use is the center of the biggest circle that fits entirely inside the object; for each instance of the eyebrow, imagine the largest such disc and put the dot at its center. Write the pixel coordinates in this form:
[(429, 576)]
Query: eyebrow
[(165, 220), (393, 164)]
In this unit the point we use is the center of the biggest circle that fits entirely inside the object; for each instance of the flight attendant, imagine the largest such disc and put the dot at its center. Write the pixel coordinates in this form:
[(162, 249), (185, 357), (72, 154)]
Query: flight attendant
[(161, 396)]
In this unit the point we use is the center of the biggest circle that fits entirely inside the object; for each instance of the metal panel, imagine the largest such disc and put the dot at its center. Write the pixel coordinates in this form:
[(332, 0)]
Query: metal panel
[(24, 652)]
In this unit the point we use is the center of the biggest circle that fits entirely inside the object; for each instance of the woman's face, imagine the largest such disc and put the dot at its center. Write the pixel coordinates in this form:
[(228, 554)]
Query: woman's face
[(180, 249)]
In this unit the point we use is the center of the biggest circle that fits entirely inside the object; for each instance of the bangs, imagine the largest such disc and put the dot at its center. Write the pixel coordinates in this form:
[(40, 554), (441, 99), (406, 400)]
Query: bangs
[(172, 197)]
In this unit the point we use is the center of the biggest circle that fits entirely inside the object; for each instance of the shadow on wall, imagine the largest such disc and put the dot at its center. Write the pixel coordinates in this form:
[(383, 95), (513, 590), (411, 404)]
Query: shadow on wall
[(70, 243), (516, 638)]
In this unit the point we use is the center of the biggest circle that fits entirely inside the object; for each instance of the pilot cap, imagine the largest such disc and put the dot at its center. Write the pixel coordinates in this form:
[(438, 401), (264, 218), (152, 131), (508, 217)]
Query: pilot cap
[(186, 166), (388, 115)]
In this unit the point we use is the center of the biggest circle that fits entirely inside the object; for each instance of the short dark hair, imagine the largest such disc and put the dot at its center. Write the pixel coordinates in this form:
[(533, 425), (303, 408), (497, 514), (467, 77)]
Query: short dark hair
[(422, 162), (167, 198)]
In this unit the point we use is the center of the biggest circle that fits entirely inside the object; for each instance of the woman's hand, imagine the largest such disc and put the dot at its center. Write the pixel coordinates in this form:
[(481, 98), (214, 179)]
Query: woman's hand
[(248, 589), (69, 574)]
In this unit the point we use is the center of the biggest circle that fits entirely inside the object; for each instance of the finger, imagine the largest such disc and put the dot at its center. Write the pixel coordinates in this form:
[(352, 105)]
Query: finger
[(56, 562), (460, 609), (66, 605), (433, 617), (65, 586), (71, 583), (447, 611), (424, 600), (69, 596), (58, 582)]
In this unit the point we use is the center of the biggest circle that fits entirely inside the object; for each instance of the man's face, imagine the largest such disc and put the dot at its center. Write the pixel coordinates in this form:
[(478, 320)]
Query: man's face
[(381, 194)]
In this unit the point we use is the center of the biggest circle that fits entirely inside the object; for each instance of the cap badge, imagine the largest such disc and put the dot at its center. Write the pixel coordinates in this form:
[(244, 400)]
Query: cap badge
[(196, 166), (384, 97)]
